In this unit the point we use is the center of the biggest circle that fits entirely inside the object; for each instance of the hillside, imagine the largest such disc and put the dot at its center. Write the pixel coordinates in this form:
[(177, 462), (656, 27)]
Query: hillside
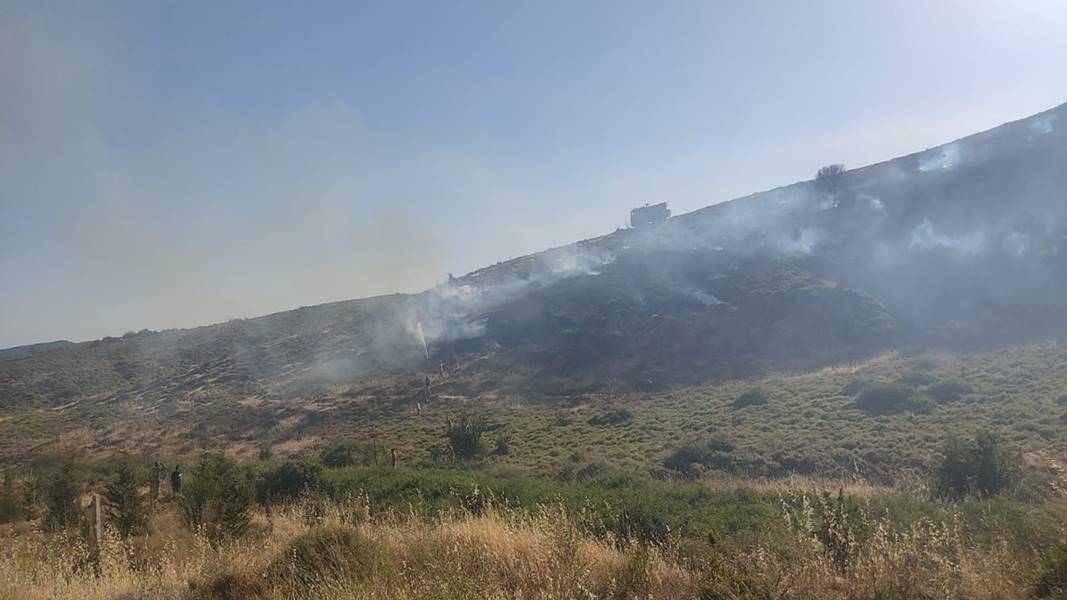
[(961, 248), (853, 387)]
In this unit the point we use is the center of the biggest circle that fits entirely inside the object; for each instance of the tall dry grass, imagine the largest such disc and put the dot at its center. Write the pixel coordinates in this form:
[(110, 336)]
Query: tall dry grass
[(327, 550)]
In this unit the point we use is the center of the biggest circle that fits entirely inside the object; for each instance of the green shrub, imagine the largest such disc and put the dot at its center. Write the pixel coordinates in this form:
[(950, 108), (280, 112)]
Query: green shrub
[(838, 521), (615, 417), (11, 508), (752, 397), (350, 453), (219, 498), (124, 496), (465, 437), (926, 364), (636, 518), (61, 488), (981, 467), (720, 444), (1051, 577), (683, 459), (917, 378), (855, 386), (288, 481), (724, 578), (691, 459), (888, 398), (948, 391), (234, 586), (325, 554), (502, 446), (633, 578)]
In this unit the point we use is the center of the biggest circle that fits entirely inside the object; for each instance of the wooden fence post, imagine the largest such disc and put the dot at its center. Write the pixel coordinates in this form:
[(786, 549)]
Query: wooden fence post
[(96, 521)]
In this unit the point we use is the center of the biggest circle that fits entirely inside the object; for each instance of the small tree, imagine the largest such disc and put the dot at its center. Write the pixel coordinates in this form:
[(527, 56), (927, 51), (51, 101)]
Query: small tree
[(289, 481), (981, 466), (124, 495), (828, 178), (219, 498), (753, 397), (29, 498), (995, 467), (953, 475), (11, 509), (502, 447), (465, 437), (349, 452), (61, 488), (889, 398)]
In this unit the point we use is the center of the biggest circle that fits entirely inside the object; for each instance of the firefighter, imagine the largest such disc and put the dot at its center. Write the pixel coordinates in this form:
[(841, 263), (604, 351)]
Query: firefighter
[(176, 480)]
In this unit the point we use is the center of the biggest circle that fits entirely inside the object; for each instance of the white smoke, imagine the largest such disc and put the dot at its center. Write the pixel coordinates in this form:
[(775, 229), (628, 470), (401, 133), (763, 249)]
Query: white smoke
[(455, 310), (560, 263), (1016, 244), (802, 242), (872, 201), (422, 339), (946, 157), (1040, 127), (925, 237), (701, 296)]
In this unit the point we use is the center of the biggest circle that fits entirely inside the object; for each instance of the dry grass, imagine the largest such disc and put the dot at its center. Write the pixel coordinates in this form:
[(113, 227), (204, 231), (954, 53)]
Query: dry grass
[(314, 550), (854, 486)]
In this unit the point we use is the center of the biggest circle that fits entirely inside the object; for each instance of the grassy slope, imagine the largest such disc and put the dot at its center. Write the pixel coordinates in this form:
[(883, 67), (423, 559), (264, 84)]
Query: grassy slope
[(808, 418), (809, 424)]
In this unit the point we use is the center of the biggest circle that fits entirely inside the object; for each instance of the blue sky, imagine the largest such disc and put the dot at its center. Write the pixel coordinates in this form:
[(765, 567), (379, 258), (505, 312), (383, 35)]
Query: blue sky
[(170, 164)]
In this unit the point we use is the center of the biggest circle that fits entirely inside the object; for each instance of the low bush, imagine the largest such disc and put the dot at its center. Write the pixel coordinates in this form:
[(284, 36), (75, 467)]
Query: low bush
[(233, 586), (889, 398), (351, 453), (465, 437), (219, 498), (917, 378), (720, 444), (124, 496), (948, 391), (692, 459), (752, 397), (288, 481), (11, 507), (980, 467), (1051, 577), (502, 447), (326, 554), (61, 489), (855, 386), (615, 417)]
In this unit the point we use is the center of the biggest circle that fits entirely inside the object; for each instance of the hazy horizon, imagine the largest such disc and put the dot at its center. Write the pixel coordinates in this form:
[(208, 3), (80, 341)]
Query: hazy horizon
[(162, 166)]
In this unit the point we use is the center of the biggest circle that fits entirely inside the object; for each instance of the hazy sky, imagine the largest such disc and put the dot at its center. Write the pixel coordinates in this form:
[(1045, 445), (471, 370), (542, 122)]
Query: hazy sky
[(168, 164)]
